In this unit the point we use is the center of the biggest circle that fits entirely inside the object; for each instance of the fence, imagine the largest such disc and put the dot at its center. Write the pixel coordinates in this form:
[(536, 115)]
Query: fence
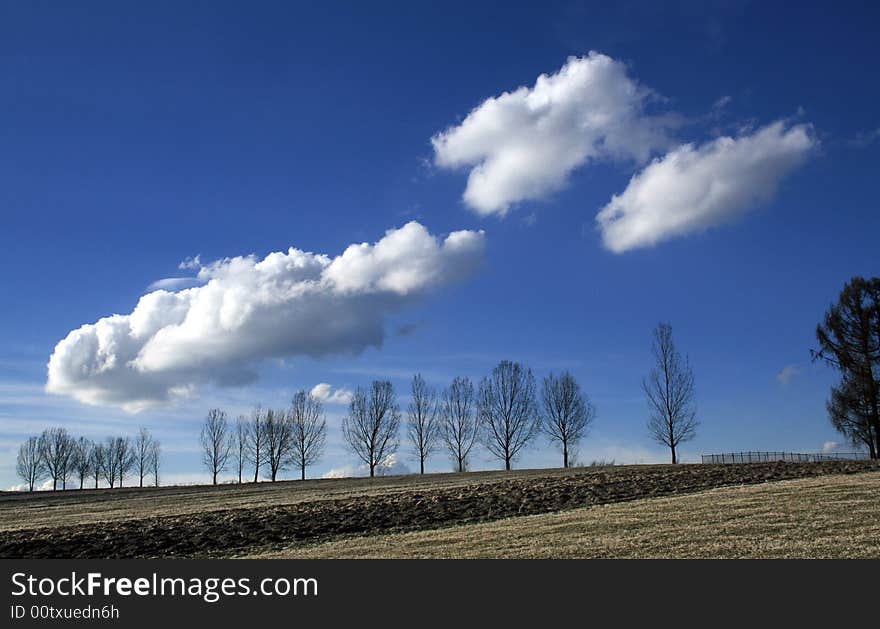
[(757, 457)]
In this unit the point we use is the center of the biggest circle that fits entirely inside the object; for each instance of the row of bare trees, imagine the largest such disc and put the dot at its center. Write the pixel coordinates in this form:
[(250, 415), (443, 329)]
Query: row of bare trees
[(503, 414), (58, 456), (268, 441)]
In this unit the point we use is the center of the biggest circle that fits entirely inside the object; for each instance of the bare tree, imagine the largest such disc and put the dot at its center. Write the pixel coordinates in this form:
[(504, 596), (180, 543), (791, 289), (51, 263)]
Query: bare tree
[(98, 462), (30, 465), (279, 441), (459, 427), (125, 457), (82, 459), (423, 426), (567, 412), (216, 444), (143, 444), (669, 389), (309, 430), (110, 464), (508, 410), (240, 445), (56, 448), (153, 460), (372, 424), (256, 442)]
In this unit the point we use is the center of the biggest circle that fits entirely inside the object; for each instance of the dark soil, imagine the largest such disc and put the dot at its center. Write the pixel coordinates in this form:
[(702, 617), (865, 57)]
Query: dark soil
[(242, 531)]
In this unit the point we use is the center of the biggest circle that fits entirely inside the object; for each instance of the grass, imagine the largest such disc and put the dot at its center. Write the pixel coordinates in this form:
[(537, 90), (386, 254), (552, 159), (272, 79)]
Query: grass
[(826, 517)]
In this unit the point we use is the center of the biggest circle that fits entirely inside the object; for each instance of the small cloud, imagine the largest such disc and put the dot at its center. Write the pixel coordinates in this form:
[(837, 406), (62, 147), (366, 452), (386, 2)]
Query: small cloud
[(174, 283), (191, 263), (721, 103), (829, 446), (46, 485), (787, 374), (530, 220), (324, 392), (865, 138), (390, 466)]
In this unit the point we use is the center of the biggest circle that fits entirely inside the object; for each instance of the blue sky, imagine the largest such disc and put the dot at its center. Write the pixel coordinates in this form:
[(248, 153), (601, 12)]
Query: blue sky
[(134, 137)]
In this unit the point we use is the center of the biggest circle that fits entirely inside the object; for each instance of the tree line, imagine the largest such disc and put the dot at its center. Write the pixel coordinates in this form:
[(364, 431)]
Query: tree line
[(268, 441), (58, 456), (503, 413)]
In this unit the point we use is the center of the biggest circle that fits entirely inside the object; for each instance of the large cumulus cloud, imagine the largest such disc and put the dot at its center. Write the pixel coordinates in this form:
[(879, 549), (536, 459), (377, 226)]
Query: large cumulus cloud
[(523, 144), (292, 303), (695, 187)]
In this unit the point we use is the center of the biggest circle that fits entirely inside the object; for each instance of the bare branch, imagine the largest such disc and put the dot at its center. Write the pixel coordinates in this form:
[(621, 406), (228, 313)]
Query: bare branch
[(669, 390), (507, 410), (372, 424), (567, 412), (309, 429), (459, 424), (215, 441), (423, 427)]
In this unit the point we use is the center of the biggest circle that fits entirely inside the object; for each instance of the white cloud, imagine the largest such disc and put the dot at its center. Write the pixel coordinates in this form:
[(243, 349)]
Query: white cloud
[(290, 303), (190, 263), (174, 283), (324, 392), (523, 144), (721, 103), (695, 187), (390, 466), (787, 374), (829, 447)]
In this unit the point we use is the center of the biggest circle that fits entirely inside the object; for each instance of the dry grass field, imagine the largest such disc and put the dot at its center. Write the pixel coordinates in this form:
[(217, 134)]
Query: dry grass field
[(669, 510), (19, 510), (827, 517)]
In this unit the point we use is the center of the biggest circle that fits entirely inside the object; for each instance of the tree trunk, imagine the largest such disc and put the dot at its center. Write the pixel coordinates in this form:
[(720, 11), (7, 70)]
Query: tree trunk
[(565, 454), (302, 471), (215, 478), (674, 459), (507, 463), (422, 465)]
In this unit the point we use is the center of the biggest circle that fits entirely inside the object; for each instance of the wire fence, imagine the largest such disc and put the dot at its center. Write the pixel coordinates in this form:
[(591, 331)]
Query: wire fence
[(797, 457)]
